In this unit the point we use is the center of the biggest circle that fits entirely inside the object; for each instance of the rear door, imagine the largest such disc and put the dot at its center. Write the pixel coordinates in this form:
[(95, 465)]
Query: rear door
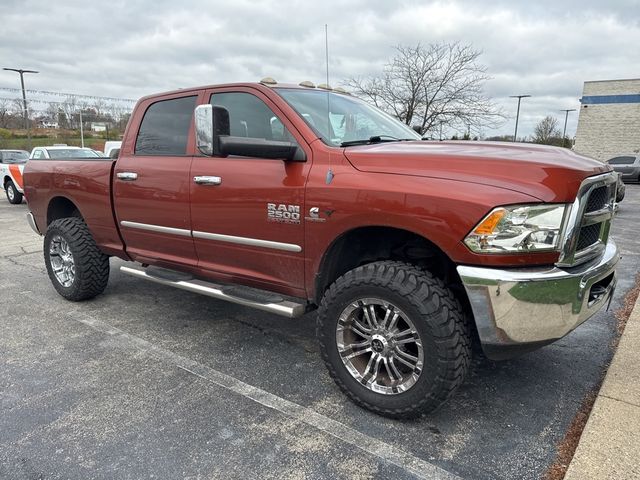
[(250, 224), (151, 182)]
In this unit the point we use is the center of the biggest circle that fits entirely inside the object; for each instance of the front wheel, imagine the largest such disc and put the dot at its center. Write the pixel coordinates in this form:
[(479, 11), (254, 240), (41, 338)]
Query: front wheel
[(77, 268), (13, 195), (394, 338)]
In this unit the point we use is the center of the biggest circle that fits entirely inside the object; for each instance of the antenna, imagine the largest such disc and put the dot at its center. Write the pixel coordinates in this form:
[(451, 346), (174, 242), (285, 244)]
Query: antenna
[(326, 49), (330, 175)]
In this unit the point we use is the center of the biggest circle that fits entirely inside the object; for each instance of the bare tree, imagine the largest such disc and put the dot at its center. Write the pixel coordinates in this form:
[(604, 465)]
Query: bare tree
[(4, 113), (52, 112), (434, 86), (547, 132), (99, 106), (70, 110)]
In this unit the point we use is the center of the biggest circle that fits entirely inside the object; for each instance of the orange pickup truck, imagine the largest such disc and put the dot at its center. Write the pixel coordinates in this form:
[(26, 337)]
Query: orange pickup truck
[(290, 198)]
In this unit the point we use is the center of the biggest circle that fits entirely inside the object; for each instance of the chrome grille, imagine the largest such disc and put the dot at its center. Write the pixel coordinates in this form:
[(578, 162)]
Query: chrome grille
[(598, 199), (588, 236), (587, 229)]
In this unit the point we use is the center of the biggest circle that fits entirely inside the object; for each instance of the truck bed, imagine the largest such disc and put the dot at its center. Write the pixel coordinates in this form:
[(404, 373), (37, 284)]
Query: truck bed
[(51, 184)]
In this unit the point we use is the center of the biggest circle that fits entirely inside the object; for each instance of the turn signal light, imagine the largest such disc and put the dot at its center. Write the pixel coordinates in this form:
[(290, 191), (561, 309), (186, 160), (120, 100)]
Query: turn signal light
[(489, 224)]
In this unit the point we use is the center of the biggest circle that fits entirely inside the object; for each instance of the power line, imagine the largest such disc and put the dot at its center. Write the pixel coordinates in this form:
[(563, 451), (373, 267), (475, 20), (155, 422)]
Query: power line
[(73, 95), (47, 102)]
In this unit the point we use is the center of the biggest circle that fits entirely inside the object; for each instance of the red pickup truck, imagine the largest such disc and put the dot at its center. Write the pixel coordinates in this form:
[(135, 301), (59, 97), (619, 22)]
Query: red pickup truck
[(290, 198)]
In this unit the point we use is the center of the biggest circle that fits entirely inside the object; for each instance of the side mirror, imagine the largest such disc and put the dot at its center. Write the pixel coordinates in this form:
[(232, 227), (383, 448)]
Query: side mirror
[(212, 122), (417, 129), (204, 129), (213, 139), (261, 148)]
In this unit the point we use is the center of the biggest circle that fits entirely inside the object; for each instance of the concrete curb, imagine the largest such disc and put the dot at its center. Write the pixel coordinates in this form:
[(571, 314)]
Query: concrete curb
[(610, 444)]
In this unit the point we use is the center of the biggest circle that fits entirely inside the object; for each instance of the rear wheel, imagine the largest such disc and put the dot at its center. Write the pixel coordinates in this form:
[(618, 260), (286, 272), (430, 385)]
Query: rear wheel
[(394, 338), (13, 195), (77, 268)]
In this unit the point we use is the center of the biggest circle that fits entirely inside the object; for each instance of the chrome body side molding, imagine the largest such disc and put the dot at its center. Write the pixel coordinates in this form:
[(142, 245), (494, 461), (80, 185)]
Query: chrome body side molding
[(156, 228), (252, 242)]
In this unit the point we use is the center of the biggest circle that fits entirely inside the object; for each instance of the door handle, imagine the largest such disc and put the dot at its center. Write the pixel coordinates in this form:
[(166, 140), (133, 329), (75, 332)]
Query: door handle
[(128, 176), (204, 180)]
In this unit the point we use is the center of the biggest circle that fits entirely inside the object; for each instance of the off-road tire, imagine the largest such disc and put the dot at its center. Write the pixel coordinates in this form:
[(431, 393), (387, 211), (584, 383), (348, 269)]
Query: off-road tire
[(13, 195), (437, 315), (91, 265)]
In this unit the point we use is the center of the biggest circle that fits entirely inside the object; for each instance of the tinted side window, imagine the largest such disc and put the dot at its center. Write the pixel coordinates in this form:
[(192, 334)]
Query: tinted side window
[(622, 160), (251, 117), (165, 127)]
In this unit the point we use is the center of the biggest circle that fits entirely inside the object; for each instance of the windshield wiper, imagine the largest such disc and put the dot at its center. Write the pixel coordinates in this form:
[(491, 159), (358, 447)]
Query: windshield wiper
[(374, 139)]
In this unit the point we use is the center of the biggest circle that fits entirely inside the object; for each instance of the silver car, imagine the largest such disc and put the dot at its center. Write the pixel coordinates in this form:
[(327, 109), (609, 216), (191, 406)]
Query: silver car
[(627, 165)]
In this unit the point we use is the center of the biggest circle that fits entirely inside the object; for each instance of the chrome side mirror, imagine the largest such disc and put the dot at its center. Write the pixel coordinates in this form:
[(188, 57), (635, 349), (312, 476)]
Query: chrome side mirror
[(212, 122), (204, 129)]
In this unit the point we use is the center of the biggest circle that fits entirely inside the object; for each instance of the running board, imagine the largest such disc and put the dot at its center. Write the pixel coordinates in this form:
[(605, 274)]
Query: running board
[(258, 299)]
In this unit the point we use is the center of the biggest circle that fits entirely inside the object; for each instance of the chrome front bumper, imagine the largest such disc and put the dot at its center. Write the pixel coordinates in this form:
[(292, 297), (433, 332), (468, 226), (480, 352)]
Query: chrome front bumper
[(518, 310)]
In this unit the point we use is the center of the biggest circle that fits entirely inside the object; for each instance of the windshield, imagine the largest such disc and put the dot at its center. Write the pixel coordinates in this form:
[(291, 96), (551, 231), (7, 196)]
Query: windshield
[(15, 156), (341, 120), (71, 153)]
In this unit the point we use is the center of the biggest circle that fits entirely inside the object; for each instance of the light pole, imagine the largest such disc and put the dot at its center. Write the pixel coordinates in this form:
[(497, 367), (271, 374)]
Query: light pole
[(566, 117), (81, 130), (519, 97), (24, 99)]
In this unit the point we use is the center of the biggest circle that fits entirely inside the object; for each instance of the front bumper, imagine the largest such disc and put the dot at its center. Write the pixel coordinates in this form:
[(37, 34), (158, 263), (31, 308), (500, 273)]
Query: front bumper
[(519, 310)]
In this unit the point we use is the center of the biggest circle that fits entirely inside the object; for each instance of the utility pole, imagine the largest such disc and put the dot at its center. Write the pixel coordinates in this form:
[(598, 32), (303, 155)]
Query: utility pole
[(519, 97), (25, 113), (81, 129), (566, 117)]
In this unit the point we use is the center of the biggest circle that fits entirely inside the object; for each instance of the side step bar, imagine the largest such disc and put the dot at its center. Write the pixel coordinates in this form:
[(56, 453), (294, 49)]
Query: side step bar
[(271, 303)]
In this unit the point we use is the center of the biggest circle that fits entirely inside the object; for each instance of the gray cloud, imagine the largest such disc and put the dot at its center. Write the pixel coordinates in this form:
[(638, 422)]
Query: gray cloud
[(133, 48)]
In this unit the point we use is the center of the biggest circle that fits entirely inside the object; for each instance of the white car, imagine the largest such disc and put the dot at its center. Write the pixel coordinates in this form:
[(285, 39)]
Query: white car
[(112, 147), (11, 167), (62, 151)]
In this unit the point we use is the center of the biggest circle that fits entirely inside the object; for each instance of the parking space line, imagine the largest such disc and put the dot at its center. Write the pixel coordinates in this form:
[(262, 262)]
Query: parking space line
[(404, 460)]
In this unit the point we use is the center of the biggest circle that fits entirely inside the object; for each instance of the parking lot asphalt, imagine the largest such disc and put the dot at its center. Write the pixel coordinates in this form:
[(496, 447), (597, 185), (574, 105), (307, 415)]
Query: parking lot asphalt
[(150, 382)]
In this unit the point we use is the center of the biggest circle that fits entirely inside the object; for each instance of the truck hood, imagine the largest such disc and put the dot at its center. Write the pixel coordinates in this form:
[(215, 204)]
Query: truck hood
[(551, 174)]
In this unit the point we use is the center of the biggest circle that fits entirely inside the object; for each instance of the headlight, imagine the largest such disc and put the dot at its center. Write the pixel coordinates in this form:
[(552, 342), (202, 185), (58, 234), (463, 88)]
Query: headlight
[(518, 228)]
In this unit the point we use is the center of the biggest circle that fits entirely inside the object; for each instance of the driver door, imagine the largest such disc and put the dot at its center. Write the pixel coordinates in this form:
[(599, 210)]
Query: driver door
[(249, 224)]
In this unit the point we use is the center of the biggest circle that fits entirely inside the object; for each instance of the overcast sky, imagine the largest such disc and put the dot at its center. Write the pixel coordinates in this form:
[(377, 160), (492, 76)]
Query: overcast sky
[(546, 48)]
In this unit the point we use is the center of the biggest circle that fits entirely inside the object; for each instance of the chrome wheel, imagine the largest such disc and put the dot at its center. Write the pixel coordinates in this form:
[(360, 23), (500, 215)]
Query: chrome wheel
[(62, 262), (11, 193), (380, 346)]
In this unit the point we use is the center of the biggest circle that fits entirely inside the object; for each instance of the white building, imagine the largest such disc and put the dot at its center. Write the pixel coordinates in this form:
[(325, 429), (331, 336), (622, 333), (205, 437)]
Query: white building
[(609, 122), (98, 126)]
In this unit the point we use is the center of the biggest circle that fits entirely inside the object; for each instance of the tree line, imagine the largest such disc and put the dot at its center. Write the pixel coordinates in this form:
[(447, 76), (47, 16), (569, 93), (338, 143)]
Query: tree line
[(66, 113)]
